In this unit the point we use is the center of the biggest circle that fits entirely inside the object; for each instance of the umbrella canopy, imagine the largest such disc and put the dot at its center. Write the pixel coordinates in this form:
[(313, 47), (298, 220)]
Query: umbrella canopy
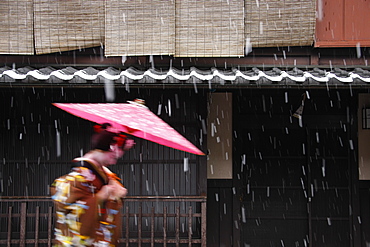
[(134, 119)]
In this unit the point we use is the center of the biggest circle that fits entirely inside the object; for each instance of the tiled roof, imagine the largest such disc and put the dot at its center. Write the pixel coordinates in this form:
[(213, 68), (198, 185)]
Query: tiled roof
[(235, 76)]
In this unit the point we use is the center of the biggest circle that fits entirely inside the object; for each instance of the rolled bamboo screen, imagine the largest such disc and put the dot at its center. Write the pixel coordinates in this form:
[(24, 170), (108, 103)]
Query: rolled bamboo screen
[(16, 27), (184, 28), (62, 25), (280, 23), (135, 28), (209, 28)]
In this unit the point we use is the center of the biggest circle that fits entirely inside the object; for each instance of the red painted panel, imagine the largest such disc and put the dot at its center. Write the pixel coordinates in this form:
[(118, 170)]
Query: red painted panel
[(357, 19), (329, 22), (342, 23)]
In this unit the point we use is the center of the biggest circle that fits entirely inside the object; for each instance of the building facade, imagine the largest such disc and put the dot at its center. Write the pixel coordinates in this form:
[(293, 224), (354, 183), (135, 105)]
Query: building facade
[(275, 93)]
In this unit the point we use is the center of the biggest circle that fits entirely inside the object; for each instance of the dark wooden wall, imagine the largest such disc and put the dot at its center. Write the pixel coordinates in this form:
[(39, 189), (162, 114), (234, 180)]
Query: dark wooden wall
[(298, 182), (295, 183), (31, 127)]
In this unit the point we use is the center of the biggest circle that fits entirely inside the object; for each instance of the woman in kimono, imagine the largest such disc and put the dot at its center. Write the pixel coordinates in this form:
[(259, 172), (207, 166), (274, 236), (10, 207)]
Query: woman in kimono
[(88, 199)]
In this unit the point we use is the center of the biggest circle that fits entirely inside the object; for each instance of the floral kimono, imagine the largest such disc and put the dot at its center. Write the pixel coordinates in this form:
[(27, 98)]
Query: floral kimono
[(81, 219)]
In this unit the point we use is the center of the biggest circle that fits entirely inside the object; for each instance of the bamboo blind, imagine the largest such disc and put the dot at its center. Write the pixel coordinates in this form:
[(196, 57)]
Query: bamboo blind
[(209, 28), (62, 25), (184, 28), (280, 23), (135, 28), (16, 22)]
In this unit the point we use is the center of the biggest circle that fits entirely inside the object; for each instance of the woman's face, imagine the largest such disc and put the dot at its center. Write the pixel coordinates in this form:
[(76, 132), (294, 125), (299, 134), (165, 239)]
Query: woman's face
[(113, 155)]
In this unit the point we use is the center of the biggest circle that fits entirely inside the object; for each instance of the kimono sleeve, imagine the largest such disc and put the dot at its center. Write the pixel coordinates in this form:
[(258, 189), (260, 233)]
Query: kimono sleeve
[(74, 196)]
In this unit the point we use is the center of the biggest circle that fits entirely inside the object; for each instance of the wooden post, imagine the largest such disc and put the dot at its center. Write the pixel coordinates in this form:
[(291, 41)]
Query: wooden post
[(127, 226), (165, 226), (190, 222), (177, 226), (152, 227), (37, 222), (139, 226), (22, 236), (9, 226), (50, 223), (204, 224)]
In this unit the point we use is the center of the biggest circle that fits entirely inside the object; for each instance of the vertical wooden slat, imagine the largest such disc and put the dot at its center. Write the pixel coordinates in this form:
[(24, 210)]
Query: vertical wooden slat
[(139, 226), (23, 225), (190, 222), (127, 226), (165, 226), (177, 226), (204, 224), (9, 226), (152, 227), (50, 220), (37, 221)]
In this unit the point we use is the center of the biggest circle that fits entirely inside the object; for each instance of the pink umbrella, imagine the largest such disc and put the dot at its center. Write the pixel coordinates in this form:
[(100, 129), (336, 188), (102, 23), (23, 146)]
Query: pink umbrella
[(134, 119)]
